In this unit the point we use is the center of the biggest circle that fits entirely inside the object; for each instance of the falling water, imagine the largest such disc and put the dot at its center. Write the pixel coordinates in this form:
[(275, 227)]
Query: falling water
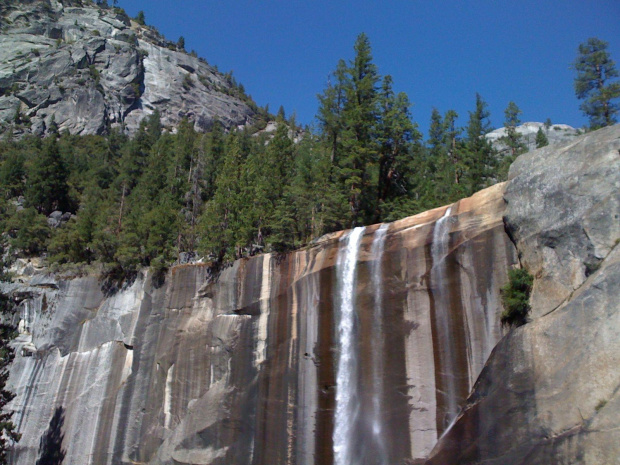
[(441, 294), (378, 245), (347, 404)]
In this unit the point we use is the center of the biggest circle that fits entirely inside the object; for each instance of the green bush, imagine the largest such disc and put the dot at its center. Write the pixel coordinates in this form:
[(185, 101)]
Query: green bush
[(29, 232), (601, 404), (515, 297), (187, 82)]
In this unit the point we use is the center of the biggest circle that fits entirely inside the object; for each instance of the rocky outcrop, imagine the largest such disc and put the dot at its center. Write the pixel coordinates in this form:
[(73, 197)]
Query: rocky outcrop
[(550, 391), (556, 134), (564, 206), (245, 367), (89, 68)]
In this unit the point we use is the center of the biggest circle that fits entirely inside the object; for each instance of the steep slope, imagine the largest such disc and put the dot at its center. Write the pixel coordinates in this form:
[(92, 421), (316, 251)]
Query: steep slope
[(245, 367), (550, 391), (92, 68)]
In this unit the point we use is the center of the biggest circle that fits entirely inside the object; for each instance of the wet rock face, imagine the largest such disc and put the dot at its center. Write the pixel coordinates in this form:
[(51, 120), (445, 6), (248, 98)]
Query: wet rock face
[(549, 392), (244, 368), (91, 68)]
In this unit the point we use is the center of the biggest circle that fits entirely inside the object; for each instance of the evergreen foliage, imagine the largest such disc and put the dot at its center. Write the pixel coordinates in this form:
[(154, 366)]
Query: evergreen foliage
[(140, 19), (515, 297), (47, 189), (28, 231), (8, 434), (541, 139), (513, 139), (476, 163), (145, 200), (595, 70)]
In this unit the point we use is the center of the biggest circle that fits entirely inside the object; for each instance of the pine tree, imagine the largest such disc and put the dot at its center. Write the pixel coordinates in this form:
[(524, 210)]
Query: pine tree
[(140, 18), (478, 155), (264, 177), (396, 135), (133, 161), (452, 135), (541, 139), (311, 204), (444, 164), (221, 221), (158, 230), (281, 113), (595, 70), (513, 139), (184, 158), (359, 147), (431, 178), (331, 104), (436, 134), (29, 231), (47, 183), (213, 147), (13, 173)]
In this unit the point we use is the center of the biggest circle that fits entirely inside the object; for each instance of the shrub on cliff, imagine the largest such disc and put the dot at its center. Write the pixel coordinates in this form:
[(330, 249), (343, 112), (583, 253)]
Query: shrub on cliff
[(515, 297)]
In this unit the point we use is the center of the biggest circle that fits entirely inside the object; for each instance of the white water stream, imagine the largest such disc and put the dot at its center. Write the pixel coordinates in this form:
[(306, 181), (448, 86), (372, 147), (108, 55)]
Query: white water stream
[(347, 403), (376, 270), (441, 294)]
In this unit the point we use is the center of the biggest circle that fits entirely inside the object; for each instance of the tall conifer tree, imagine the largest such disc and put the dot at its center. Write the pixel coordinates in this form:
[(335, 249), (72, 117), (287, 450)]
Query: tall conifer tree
[(396, 135), (513, 139), (359, 146), (478, 154), (595, 70), (47, 183)]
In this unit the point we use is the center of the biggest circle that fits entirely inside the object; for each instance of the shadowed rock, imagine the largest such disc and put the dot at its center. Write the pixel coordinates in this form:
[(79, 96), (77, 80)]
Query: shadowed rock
[(50, 450)]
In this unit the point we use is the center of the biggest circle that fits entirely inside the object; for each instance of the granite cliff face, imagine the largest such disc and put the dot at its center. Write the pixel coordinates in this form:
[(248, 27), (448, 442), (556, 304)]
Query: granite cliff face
[(92, 68), (245, 368), (379, 345), (550, 391)]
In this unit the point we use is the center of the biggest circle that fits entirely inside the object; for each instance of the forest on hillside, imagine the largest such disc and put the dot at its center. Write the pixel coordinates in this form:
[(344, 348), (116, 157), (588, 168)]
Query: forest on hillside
[(158, 198)]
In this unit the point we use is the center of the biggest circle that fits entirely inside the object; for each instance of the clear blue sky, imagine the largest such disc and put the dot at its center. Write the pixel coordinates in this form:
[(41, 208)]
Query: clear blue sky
[(439, 52)]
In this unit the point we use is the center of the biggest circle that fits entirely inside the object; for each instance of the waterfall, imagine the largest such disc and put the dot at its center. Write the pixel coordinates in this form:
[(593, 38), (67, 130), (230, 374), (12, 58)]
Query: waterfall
[(441, 294), (376, 270), (347, 403)]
